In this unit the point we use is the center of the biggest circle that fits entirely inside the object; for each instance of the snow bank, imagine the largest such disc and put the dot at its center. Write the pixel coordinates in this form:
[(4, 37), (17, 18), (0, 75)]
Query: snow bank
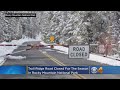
[(9, 49), (104, 60), (61, 48), (114, 57), (43, 43), (16, 57), (1, 60)]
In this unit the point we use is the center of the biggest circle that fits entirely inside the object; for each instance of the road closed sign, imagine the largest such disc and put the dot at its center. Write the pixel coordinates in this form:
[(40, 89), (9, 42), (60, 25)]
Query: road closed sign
[(81, 51)]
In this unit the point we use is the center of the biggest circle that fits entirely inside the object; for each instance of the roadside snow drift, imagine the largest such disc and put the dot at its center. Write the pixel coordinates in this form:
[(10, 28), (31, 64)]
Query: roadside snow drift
[(15, 57), (104, 60), (9, 49), (61, 48)]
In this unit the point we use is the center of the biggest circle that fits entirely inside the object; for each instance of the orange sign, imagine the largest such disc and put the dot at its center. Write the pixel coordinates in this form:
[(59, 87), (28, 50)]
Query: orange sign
[(52, 38)]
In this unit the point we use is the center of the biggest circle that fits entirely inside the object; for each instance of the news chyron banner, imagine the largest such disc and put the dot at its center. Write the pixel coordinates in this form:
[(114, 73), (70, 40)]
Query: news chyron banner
[(14, 69), (58, 70)]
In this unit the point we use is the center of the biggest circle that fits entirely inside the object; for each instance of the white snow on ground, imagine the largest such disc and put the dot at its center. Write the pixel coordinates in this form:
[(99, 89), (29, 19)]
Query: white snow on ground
[(1, 60), (43, 43), (15, 57), (93, 57), (61, 52), (104, 60), (61, 48), (114, 56), (9, 49)]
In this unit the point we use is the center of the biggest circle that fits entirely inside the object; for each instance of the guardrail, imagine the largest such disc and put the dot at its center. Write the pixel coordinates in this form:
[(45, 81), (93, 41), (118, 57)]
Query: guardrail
[(32, 45), (114, 51)]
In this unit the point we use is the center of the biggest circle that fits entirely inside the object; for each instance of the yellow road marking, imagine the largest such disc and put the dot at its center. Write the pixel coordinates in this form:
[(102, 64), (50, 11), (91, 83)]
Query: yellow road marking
[(62, 64)]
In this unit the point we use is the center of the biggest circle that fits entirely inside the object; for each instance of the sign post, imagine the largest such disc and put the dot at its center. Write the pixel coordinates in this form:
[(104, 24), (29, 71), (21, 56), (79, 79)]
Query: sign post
[(81, 51), (52, 40)]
